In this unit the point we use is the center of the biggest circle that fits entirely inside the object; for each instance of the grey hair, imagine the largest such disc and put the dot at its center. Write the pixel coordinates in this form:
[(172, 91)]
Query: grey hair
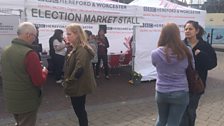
[(26, 27)]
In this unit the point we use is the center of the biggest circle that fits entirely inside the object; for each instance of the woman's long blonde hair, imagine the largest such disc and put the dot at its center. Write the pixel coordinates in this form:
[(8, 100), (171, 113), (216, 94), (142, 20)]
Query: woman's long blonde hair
[(77, 29), (170, 39)]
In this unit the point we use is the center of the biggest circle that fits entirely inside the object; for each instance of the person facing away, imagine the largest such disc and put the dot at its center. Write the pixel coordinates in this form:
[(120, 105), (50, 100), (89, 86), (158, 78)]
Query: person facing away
[(22, 76), (57, 53), (79, 78), (92, 42), (205, 59), (103, 44), (171, 60)]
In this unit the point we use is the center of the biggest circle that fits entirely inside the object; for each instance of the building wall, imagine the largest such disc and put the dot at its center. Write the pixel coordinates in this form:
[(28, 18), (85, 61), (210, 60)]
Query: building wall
[(214, 20), (214, 25)]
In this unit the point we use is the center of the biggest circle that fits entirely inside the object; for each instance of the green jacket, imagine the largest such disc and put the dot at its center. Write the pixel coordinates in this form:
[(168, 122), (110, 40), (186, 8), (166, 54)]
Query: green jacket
[(19, 93), (79, 76)]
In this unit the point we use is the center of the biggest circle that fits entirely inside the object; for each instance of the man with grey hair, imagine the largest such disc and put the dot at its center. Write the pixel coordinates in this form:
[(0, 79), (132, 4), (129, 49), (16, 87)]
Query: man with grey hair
[(22, 76)]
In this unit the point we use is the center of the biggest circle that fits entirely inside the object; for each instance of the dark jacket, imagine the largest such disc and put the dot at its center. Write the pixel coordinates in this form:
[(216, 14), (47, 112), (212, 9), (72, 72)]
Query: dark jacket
[(205, 60), (79, 76), (103, 44), (51, 51)]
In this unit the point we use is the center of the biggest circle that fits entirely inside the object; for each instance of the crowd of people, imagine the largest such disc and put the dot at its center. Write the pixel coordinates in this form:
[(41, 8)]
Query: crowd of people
[(60, 48), (77, 60)]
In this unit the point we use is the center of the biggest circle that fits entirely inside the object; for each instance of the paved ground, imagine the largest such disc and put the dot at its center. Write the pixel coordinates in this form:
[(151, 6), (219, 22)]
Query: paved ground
[(116, 103)]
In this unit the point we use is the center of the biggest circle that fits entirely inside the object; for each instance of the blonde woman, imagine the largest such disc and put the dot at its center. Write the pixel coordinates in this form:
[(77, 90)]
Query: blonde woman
[(79, 76)]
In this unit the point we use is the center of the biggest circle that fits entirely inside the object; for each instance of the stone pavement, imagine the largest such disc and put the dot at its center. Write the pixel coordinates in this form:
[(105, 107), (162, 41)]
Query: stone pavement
[(119, 104)]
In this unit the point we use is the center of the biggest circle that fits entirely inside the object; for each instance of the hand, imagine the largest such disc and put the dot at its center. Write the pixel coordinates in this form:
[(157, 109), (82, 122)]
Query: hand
[(197, 51), (45, 70), (101, 44)]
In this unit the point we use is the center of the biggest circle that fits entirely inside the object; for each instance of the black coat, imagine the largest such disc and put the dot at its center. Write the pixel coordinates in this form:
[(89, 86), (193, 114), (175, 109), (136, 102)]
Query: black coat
[(205, 60), (51, 51)]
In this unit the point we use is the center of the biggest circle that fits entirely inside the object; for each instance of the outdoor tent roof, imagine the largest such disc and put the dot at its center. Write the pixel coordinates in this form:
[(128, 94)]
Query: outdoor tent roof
[(13, 4), (160, 4)]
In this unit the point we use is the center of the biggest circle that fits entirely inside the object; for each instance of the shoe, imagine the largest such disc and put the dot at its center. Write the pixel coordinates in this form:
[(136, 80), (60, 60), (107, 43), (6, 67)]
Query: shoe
[(62, 84), (107, 77), (59, 81)]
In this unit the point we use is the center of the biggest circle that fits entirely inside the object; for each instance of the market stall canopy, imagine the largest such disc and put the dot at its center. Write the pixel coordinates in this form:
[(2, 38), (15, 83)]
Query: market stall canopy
[(158, 3), (83, 11), (11, 7)]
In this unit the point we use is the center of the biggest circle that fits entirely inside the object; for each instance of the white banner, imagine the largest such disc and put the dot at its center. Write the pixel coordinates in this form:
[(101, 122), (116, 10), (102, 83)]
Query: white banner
[(146, 40), (49, 15), (81, 11), (8, 24), (8, 29)]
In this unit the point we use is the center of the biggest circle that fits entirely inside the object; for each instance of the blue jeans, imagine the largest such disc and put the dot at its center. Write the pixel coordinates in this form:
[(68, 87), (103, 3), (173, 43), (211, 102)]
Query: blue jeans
[(189, 116), (171, 107)]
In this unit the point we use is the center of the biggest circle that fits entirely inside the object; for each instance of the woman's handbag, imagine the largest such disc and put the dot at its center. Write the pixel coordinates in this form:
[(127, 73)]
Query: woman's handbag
[(195, 83)]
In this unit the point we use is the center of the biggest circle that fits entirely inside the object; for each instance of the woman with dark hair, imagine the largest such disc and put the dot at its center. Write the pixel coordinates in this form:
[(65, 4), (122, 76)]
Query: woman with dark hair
[(103, 44), (57, 53), (171, 60), (205, 59)]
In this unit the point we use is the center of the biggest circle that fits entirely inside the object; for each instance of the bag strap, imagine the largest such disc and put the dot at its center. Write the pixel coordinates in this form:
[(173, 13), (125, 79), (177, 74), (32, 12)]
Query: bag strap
[(190, 62)]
